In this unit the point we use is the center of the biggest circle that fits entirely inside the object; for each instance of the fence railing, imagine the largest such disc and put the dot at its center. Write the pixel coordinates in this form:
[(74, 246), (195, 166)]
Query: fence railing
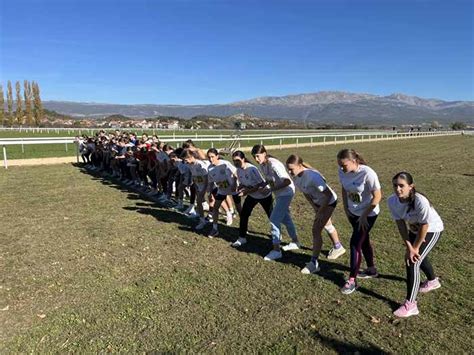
[(280, 140)]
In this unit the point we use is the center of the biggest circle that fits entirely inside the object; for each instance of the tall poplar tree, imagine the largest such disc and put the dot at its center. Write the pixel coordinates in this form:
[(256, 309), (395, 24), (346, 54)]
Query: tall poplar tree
[(27, 96), (19, 105), (3, 120), (37, 104), (10, 103)]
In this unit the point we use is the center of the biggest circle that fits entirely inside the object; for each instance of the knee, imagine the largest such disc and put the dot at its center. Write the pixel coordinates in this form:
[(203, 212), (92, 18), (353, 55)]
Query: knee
[(329, 228)]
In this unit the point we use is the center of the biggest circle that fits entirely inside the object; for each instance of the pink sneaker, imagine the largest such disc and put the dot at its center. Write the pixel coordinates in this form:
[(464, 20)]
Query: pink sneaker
[(428, 285), (407, 309)]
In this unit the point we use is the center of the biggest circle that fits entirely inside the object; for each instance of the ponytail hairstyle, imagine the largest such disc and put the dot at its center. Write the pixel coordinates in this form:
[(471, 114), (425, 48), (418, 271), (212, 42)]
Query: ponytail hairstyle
[(409, 179), (296, 159), (188, 144), (167, 147), (241, 155), (351, 154)]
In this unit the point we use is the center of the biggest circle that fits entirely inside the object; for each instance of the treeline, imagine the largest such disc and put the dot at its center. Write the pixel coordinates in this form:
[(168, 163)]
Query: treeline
[(26, 109)]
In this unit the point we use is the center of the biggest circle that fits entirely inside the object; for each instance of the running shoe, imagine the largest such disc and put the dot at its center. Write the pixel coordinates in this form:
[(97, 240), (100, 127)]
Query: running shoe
[(407, 309), (209, 218), (239, 242), (292, 246), (310, 268), (428, 285), (273, 255), (349, 287), (368, 274), (189, 210), (335, 253)]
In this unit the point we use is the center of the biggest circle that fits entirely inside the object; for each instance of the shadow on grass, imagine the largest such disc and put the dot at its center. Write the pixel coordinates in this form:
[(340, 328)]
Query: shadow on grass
[(342, 347), (259, 243)]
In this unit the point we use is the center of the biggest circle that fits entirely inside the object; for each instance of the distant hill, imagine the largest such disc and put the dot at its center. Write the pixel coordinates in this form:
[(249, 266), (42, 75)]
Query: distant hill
[(322, 107)]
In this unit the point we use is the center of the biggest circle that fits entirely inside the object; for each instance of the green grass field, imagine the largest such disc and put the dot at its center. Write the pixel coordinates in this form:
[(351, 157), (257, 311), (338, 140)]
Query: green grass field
[(90, 266)]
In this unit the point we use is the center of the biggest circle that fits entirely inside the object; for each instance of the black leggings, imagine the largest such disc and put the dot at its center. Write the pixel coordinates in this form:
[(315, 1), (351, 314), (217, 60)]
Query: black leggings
[(413, 269), (360, 244), (247, 208)]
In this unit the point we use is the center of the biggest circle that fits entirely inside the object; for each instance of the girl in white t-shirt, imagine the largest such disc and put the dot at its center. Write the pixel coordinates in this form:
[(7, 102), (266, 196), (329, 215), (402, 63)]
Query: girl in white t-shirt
[(280, 183), (420, 228), (323, 200), (256, 191), (361, 195), (222, 182), (200, 179)]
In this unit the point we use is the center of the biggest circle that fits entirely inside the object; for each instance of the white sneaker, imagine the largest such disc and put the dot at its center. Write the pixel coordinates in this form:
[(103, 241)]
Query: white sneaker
[(239, 242), (310, 268), (335, 253), (273, 255), (209, 218), (189, 210), (229, 219), (201, 225), (292, 246)]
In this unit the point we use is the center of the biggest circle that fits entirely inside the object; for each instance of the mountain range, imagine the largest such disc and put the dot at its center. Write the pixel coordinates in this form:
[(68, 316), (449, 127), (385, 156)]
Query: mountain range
[(324, 107)]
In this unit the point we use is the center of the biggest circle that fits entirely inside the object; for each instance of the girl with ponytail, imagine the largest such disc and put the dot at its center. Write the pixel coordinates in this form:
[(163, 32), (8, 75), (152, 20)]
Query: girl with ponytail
[(323, 200), (361, 195), (420, 227)]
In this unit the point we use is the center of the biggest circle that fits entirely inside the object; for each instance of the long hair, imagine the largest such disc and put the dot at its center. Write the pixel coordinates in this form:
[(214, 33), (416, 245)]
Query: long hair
[(213, 151), (296, 159), (351, 154), (187, 153), (412, 196)]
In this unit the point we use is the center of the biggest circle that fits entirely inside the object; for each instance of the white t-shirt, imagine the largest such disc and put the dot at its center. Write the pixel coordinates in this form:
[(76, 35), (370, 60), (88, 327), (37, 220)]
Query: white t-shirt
[(313, 184), (359, 186), (199, 173), (221, 175), (274, 173), (422, 213), (251, 177)]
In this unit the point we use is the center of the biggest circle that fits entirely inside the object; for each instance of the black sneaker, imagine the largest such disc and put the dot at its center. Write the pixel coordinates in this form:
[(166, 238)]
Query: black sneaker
[(368, 274)]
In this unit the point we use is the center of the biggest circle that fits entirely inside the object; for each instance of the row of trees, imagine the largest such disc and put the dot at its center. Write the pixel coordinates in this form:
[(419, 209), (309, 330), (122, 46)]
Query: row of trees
[(28, 107)]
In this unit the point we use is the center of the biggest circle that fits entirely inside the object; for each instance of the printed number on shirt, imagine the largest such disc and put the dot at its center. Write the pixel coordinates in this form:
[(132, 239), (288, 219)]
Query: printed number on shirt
[(198, 179), (223, 184), (355, 197)]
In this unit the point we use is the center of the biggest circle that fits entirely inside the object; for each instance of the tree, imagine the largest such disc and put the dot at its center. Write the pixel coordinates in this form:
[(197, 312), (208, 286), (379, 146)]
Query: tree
[(19, 109), (27, 95), (457, 126), (2, 107), (37, 105), (10, 102), (435, 125)]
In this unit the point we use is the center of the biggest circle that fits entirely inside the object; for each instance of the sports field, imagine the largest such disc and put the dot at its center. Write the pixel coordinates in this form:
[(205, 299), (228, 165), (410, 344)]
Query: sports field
[(88, 265)]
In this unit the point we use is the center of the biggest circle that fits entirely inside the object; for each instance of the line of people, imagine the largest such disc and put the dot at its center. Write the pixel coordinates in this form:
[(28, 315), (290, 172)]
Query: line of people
[(213, 183)]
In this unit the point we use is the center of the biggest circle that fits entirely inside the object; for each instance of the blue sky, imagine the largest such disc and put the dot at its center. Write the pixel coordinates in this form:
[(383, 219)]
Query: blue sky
[(201, 52)]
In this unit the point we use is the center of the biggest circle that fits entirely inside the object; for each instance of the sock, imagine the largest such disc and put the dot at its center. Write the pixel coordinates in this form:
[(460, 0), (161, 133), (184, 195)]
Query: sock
[(231, 210), (337, 245)]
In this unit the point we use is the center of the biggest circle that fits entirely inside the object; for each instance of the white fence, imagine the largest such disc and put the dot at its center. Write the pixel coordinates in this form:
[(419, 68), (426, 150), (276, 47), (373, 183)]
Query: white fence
[(314, 139)]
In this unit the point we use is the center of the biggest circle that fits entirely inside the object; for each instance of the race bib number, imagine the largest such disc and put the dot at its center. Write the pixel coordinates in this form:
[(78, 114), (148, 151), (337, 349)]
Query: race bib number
[(198, 179), (355, 197), (223, 184)]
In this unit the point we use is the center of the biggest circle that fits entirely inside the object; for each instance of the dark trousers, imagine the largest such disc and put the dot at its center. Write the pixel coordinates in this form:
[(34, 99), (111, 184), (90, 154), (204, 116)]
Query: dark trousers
[(247, 208), (360, 245), (413, 269)]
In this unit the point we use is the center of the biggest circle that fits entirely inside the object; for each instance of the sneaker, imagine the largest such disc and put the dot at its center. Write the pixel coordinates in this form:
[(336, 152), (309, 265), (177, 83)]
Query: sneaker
[(209, 218), (407, 309), (335, 253), (239, 242), (229, 219), (201, 225), (292, 246), (349, 287), (213, 233), (273, 255), (310, 268), (428, 285), (189, 210), (368, 274), (205, 206)]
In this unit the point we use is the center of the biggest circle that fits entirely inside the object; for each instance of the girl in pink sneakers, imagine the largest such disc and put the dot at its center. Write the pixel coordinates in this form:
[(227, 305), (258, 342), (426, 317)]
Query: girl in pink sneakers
[(420, 228)]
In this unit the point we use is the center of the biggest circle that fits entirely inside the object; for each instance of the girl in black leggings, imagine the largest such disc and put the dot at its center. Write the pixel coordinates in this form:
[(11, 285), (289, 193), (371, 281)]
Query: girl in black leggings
[(253, 186), (420, 228)]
